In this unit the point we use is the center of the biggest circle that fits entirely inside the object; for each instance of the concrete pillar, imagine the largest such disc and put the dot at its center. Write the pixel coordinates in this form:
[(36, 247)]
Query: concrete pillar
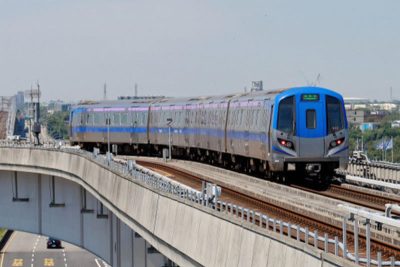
[(93, 226), (139, 252), (126, 237), (15, 214)]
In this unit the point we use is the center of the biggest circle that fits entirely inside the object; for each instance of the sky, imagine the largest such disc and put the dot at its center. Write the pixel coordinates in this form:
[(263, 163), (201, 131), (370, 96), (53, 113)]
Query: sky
[(198, 47)]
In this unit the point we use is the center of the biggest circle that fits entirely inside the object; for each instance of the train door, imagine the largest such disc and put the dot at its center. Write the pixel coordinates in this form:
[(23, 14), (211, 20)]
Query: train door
[(310, 126), (82, 124)]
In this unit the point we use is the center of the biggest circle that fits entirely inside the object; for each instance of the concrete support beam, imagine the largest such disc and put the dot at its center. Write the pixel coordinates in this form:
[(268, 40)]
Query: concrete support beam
[(188, 234)]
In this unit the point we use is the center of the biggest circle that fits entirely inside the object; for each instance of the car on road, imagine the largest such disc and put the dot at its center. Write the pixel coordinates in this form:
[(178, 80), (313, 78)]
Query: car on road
[(53, 243)]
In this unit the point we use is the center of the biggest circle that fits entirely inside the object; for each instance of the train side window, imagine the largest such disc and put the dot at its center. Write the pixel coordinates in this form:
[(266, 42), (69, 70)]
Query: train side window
[(116, 118), (102, 118), (286, 115), (243, 121), (311, 120), (124, 118), (90, 119), (82, 118), (240, 119), (249, 119), (144, 118), (154, 118), (234, 118), (137, 119), (96, 118), (258, 120)]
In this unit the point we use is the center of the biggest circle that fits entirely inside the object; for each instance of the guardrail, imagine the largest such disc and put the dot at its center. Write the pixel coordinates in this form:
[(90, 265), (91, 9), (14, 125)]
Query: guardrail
[(387, 164), (374, 171), (163, 184)]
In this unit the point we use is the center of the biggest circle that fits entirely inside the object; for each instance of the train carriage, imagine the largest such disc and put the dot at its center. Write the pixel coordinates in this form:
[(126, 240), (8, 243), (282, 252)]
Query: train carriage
[(295, 132)]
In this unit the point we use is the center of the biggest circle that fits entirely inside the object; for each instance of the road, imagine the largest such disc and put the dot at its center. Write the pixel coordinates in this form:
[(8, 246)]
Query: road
[(29, 250)]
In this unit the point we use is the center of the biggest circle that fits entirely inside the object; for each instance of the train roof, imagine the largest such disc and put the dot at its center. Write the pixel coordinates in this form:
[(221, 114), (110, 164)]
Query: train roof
[(161, 101), (178, 100)]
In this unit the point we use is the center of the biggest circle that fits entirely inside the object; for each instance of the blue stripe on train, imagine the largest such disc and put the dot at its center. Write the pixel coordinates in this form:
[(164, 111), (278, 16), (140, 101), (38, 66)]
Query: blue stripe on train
[(218, 133), (277, 149), (341, 150)]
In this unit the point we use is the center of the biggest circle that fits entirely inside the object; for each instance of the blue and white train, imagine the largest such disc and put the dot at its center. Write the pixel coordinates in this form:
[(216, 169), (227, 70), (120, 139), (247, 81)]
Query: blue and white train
[(296, 132)]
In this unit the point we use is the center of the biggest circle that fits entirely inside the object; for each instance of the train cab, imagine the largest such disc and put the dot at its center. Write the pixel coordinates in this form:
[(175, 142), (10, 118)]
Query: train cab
[(310, 132)]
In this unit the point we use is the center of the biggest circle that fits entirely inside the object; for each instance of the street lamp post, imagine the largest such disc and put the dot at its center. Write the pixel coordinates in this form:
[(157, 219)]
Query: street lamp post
[(108, 122), (169, 122)]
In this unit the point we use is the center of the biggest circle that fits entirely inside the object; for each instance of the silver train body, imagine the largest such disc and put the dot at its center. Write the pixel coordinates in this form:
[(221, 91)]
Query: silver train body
[(300, 131)]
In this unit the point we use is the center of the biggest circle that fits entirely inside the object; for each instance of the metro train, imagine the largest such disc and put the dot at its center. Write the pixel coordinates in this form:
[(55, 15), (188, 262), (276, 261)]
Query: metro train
[(295, 133)]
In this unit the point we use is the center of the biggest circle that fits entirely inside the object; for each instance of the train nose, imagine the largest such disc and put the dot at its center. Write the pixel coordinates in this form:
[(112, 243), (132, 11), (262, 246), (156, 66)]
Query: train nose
[(311, 126)]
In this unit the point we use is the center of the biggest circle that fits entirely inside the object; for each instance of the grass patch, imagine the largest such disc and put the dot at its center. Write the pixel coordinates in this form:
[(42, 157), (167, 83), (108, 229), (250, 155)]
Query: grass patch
[(2, 232)]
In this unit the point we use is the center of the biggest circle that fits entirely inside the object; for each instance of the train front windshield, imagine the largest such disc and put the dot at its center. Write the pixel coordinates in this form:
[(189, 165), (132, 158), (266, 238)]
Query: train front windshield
[(335, 120), (286, 115)]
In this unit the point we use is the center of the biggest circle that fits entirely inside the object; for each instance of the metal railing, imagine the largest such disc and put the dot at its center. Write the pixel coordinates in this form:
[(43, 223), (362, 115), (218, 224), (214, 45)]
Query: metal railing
[(373, 171), (163, 184)]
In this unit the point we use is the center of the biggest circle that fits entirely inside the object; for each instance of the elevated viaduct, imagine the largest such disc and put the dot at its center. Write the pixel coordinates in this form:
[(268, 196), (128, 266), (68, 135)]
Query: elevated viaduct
[(80, 198)]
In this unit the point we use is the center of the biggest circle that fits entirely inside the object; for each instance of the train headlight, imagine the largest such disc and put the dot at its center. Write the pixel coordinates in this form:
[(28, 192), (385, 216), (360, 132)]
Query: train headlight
[(286, 143), (289, 144), (336, 143)]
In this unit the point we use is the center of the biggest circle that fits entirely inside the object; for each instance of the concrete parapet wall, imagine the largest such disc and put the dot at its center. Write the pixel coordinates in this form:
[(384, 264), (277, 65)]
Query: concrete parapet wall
[(187, 233), (376, 171)]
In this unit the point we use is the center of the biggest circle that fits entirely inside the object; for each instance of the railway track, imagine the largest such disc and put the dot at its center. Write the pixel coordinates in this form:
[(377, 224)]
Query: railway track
[(354, 196), (275, 211)]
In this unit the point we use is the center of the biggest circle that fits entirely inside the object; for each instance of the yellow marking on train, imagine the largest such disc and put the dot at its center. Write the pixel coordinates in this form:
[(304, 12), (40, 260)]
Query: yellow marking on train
[(48, 262), (18, 262)]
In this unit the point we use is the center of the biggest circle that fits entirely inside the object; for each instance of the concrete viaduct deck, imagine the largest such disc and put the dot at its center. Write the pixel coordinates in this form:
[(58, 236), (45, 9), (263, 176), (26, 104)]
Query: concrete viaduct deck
[(57, 188)]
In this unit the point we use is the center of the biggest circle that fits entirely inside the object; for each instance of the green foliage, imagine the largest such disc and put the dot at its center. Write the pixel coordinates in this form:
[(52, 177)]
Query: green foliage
[(373, 137), (2, 232), (57, 125)]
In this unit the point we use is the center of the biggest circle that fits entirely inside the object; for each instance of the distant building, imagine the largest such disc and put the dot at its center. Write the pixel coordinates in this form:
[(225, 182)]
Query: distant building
[(368, 126), (57, 106), (19, 128), (384, 106), (66, 107), (377, 115), (361, 103), (355, 116), (356, 103), (360, 106), (20, 100)]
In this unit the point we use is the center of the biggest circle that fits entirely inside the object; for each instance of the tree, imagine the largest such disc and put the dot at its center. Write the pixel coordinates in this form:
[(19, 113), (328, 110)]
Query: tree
[(373, 137), (57, 125)]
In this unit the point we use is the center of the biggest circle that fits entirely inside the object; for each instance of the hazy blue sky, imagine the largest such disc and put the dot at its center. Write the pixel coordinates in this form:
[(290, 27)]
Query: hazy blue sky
[(198, 47)]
